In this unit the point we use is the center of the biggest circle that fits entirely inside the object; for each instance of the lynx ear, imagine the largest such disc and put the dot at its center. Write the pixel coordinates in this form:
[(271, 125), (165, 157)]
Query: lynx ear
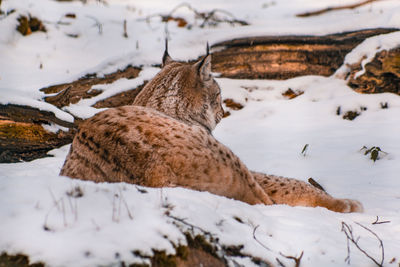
[(204, 67), (166, 59)]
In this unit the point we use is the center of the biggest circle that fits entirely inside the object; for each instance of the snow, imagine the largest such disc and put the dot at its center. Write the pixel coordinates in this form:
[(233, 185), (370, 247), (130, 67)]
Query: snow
[(41, 218)]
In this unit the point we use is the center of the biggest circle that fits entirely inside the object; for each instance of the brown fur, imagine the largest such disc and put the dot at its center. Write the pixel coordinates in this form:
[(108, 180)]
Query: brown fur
[(165, 139)]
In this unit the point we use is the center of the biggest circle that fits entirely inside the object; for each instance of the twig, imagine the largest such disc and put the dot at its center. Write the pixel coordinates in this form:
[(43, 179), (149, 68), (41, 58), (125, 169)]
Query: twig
[(45, 227), (54, 200), (192, 226), (119, 208), (97, 24), (209, 18), (380, 242), (304, 150), (114, 209), (258, 241), (348, 231), (125, 29), (63, 212), (60, 208), (379, 222), (126, 205), (296, 260), (328, 9), (76, 209), (280, 263)]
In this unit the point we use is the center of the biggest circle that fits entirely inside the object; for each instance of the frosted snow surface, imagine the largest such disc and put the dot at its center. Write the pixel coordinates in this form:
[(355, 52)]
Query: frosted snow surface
[(44, 216)]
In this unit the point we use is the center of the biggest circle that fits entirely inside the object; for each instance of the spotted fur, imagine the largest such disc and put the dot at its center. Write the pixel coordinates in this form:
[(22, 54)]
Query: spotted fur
[(164, 140)]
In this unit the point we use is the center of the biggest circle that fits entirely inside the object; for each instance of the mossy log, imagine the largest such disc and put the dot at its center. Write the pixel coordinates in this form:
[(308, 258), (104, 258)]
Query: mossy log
[(284, 57)]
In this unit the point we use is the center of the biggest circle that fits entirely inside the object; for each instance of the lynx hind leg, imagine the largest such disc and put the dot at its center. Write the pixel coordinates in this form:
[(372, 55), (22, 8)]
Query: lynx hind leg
[(298, 193)]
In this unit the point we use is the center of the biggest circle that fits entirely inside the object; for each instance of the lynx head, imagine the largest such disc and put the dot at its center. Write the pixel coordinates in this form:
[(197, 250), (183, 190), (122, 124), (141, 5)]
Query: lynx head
[(184, 91)]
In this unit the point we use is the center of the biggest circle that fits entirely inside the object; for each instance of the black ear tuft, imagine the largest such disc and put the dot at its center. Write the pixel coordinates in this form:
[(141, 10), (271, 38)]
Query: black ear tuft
[(166, 59), (204, 67), (208, 50)]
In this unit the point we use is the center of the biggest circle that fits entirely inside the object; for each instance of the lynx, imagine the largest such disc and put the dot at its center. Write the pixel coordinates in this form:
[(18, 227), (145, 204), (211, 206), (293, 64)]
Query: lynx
[(164, 140)]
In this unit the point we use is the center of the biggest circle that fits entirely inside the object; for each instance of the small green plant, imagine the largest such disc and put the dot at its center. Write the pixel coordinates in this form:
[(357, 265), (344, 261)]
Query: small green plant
[(384, 105), (351, 115), (28, 25), (375, 152)]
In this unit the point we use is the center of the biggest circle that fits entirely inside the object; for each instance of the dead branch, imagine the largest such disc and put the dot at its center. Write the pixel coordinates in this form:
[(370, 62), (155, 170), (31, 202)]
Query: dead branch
[(258, 241), (379, 222), (192, 226), (328, 9), (296, 260), (280, 263), (210, 18), (315, 184), (348, 231)]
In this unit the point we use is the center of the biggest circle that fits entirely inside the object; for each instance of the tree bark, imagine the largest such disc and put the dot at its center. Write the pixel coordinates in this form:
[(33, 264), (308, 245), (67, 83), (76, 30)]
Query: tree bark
[(22, 136), (381, 75), (284, 57)]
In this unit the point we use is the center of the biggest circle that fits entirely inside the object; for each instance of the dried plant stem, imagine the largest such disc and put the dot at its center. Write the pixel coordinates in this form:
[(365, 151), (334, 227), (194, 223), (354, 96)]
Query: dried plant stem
[(125, 29), (297, 260), (379, 222), (207, 17), (328, 9), (348, 231), (258, 241)]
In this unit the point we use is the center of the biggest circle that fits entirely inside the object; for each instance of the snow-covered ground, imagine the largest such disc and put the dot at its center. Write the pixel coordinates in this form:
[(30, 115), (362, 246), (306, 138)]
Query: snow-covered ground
[(45, 217)]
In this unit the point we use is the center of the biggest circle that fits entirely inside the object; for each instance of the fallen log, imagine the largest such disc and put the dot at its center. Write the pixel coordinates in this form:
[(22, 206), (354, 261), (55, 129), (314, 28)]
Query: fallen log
[(284, 57), (71, 93), (381, 75), (23, 134)]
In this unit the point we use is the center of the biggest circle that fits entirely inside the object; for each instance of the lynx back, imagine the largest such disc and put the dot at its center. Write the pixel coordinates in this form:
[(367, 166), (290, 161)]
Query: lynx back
[(164, 139)]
